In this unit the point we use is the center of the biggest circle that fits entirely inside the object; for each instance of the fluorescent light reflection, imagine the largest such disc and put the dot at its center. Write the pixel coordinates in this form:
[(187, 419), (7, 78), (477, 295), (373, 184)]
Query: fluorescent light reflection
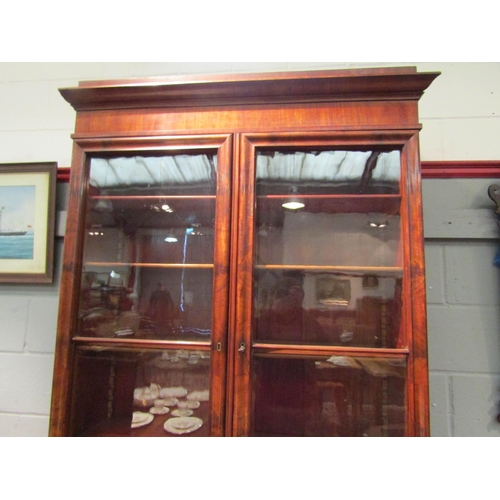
[(293, 205)]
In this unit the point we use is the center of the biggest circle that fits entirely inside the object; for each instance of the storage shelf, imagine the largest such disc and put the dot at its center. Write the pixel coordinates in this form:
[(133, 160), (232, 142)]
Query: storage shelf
[(102, 342), (268, 349), (333, 196), (149, 264), (141, 198), (344, 269)]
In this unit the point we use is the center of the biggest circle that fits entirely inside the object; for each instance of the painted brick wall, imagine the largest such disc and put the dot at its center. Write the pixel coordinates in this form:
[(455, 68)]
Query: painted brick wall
[(463, 297), (460, 114)]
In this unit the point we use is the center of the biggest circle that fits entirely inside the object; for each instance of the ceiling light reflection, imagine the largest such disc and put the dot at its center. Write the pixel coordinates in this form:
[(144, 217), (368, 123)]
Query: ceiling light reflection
[(293, 205)]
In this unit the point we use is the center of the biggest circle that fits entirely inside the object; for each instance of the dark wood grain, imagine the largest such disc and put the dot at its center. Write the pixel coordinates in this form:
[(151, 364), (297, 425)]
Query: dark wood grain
[(273, 88)]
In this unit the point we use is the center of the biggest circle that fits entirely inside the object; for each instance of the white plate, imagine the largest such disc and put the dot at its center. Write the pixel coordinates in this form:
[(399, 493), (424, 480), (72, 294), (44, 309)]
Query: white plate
[(173, 392), (170, 401), (182, 425), (140, 419), (154, 411), (182, 412), (198, 396), (192, 404)]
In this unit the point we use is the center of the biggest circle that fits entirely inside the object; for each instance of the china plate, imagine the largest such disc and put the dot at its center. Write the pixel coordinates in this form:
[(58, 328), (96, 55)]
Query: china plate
[(170, 401), (192, 404), (182, 412), (198, 396), (173, 392), (154, 411), (140, 419), (182, 425)]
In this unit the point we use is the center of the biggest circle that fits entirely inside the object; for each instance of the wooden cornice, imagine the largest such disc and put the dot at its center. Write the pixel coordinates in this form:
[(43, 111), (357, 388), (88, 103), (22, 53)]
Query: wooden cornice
[(250, 89)]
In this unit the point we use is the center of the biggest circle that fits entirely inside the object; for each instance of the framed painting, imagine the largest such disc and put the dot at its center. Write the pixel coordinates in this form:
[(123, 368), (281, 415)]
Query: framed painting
[(333, 291), (27, 219)]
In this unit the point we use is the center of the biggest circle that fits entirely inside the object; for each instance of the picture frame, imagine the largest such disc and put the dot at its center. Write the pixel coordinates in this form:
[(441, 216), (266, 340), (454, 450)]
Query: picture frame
[(27, 222), (332, 291), (370, 281)]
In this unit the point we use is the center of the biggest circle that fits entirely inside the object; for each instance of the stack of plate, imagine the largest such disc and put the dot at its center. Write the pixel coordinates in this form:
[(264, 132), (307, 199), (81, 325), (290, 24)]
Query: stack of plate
[(182, 425)]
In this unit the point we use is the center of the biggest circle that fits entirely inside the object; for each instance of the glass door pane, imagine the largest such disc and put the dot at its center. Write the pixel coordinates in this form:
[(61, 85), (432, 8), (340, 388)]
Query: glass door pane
[(141, 392), (329, 396), (149, 248), (328, 273), (328, 269)]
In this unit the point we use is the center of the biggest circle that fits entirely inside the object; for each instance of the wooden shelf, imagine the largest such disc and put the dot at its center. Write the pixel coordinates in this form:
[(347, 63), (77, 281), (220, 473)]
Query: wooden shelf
[(267, 349), (333, 196), (343, 269), (139, 197), (149, 264), (102, 342)]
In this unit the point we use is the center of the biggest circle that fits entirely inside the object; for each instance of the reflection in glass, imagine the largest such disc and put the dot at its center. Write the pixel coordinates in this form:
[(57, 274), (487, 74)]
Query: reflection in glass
[(328, 271), (306, 237), (328, 308), (329, 396), (158, 175), (149, 248), (126, 393), (345, 172)]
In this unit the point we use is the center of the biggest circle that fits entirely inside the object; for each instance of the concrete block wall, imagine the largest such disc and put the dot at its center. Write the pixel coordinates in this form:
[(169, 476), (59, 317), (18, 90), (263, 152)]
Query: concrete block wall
[(463, 306), (28, 319), (460, 114)]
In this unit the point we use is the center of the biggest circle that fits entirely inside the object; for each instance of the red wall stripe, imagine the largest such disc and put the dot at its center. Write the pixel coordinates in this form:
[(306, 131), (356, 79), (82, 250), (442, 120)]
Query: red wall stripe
[(430, 170), (63, 174), (460, 169)]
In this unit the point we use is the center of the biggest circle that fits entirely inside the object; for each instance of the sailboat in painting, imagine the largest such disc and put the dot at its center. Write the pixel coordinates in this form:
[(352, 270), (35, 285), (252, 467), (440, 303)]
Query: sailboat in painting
[(9, 233)]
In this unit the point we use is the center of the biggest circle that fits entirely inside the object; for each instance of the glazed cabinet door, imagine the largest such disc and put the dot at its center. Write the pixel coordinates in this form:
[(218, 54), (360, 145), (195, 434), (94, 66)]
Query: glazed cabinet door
[(150, 289), (323, 333)]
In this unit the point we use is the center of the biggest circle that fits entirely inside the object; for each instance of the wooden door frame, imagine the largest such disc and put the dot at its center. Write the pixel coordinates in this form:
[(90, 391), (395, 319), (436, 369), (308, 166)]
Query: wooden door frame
[(84, 148), (414, 314)]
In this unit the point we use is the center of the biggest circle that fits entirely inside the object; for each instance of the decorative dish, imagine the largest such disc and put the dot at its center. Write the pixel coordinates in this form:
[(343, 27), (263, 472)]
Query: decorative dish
[(140, 419), (162, 411), (171, 401), (182, 412), (198, 395), (173, 392), (182, 425)]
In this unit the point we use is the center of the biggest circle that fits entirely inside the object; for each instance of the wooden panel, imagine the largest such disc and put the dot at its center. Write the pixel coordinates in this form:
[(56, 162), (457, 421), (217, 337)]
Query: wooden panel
[(61, 392), (243, 299), (373, 115), (418, 357), (221, 290)]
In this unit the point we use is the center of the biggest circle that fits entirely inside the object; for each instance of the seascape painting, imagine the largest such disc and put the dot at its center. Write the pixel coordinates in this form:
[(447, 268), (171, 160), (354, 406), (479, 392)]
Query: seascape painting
[(27, 215), (17, 213)]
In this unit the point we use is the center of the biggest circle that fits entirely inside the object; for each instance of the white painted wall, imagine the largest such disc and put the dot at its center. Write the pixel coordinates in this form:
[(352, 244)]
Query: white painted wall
[(460, 114)]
